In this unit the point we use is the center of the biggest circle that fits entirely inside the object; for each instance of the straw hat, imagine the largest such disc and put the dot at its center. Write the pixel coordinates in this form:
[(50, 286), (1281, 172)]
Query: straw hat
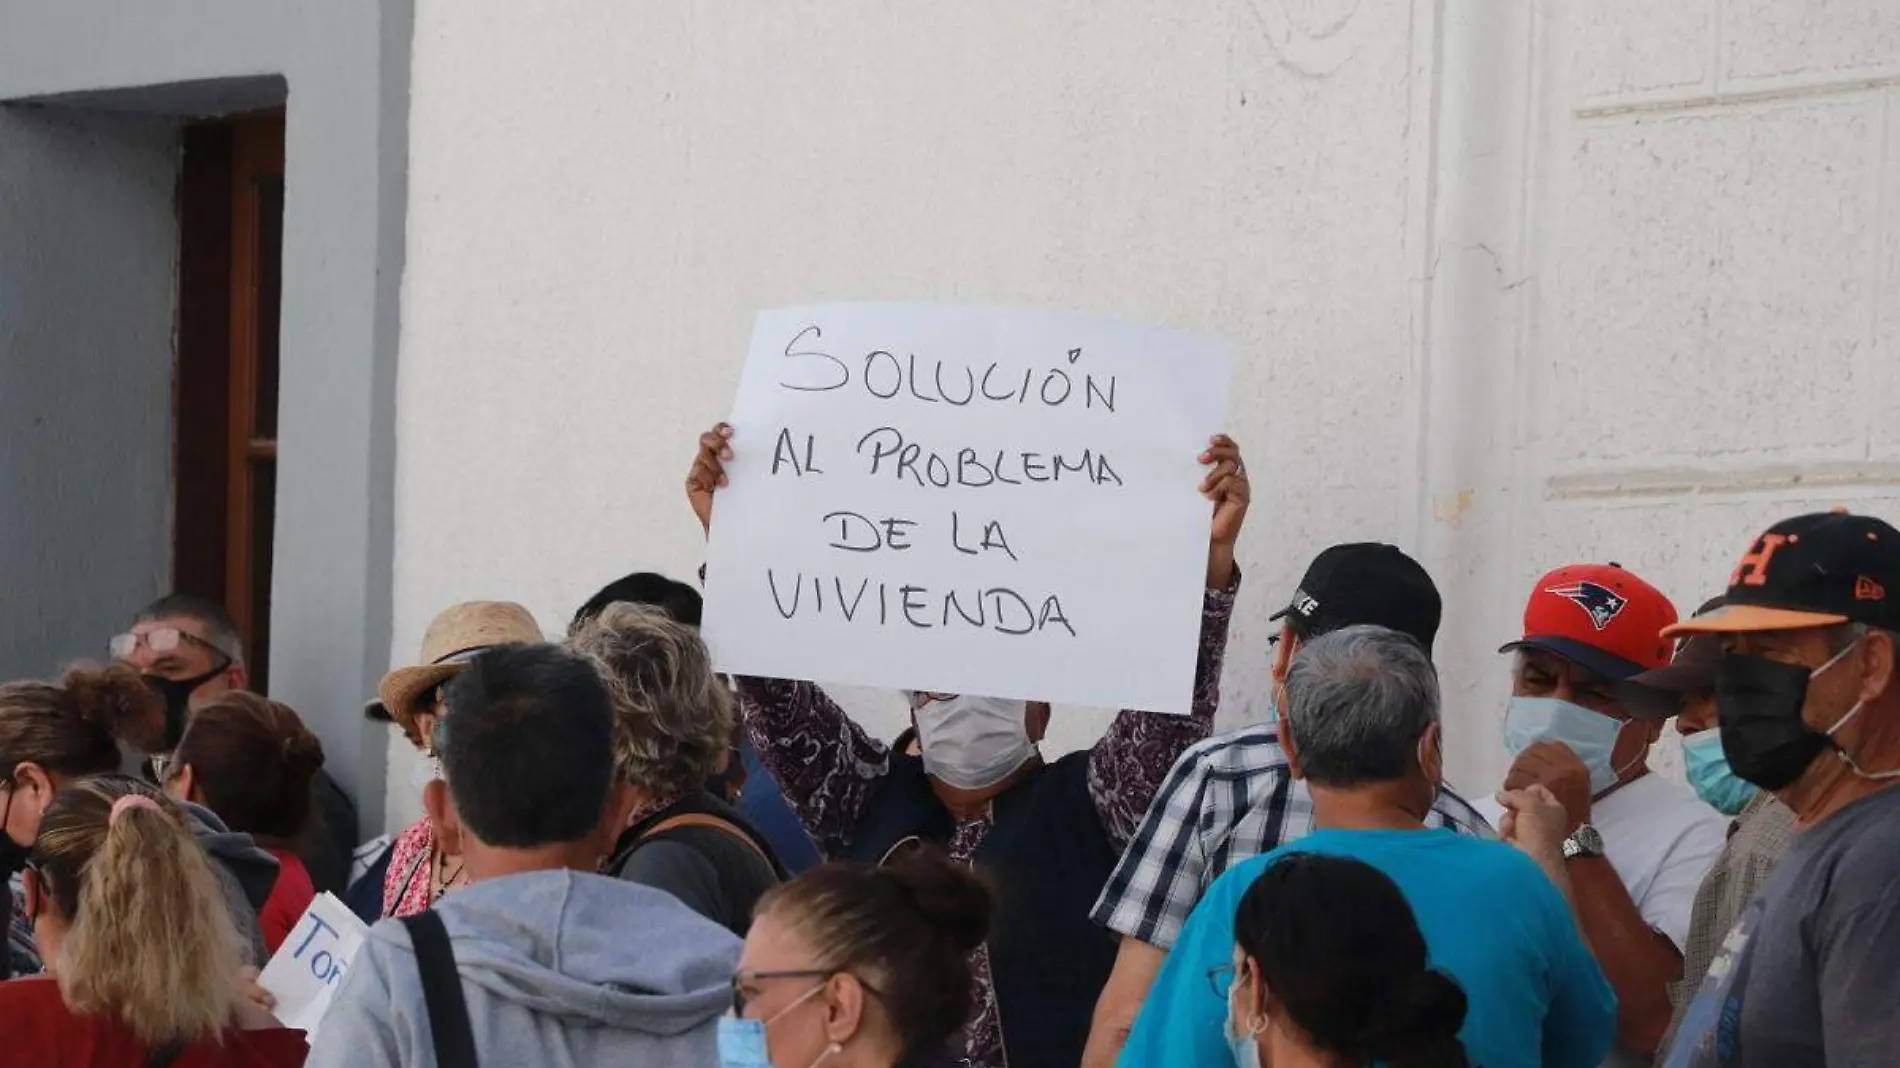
[(454, 637)]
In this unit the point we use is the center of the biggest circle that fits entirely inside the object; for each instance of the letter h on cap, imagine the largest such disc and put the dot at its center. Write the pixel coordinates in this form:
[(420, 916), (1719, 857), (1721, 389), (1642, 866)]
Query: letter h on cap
[(1753, 568)]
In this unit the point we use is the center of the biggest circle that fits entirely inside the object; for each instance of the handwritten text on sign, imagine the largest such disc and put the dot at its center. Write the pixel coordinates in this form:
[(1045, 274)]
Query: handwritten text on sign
[(306, 970), (970, 500)]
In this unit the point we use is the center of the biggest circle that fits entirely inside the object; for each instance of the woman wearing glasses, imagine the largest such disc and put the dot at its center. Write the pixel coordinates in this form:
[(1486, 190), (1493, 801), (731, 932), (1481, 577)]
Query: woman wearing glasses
[(54, 733), (858, 967)]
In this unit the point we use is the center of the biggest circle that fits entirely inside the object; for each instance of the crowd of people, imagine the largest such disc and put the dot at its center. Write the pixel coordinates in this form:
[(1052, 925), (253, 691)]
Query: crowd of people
[(627, 858)]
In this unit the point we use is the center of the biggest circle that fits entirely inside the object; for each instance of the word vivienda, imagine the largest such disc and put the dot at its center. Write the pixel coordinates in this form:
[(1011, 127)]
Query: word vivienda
[(996, 608), (888, 376)]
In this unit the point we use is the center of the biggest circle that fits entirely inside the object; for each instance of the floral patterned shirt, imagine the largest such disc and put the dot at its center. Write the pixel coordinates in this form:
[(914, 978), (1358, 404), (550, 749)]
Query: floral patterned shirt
[(411, 875), (829, 769)]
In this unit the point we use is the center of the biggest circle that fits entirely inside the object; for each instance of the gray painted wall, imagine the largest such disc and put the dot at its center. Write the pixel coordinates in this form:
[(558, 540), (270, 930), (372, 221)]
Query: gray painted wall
[(87, 261), (347, 64)]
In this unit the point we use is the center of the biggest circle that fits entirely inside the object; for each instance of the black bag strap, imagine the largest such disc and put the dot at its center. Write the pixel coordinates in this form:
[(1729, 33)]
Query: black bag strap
[(163, 1056), (442, 991)]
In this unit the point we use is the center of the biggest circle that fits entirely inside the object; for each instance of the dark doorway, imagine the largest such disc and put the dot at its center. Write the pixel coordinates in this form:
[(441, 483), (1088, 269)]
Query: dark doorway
[(230, 285)]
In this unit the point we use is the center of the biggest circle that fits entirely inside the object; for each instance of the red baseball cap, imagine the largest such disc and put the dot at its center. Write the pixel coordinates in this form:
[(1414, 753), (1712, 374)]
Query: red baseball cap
[(1601, 617)]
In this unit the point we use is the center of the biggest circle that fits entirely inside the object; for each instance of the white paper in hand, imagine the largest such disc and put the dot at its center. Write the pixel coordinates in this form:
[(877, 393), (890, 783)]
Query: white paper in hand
[(310, 965)]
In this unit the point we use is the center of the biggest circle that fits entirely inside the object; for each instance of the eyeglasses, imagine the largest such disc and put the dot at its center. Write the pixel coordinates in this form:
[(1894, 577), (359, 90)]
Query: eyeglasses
[(923, 697), (740, 979), (160, 640)]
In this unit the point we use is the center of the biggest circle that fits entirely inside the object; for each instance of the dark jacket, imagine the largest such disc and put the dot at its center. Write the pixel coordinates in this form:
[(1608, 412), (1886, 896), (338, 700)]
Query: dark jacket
[(1049, 856)]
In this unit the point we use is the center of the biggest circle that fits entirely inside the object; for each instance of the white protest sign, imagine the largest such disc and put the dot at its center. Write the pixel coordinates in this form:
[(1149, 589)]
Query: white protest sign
[(1002, 502), (310, 965)]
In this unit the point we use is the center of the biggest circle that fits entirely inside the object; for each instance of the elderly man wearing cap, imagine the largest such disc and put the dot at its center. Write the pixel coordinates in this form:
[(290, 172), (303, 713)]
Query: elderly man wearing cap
[(1759, 832), (1234, 796), (1808, 699), (425, 862), (1639, 844)]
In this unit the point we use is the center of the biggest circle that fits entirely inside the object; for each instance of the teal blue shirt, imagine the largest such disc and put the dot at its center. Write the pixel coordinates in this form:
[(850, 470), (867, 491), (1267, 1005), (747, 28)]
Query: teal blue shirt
[(1491, 920)]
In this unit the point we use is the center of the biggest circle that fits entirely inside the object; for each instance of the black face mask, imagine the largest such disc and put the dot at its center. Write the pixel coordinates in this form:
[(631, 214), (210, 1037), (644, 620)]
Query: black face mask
[(13, 855), (177, 694), (1758, 703)]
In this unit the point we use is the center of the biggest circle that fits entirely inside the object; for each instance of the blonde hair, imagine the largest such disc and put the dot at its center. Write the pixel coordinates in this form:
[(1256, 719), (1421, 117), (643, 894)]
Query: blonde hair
[(674, 723), (150, 941)]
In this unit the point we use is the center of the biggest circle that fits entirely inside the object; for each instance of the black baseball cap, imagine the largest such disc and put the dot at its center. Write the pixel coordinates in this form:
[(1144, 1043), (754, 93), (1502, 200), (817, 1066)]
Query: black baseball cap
[(1365, 583), (1811, 571), (1657, 694)]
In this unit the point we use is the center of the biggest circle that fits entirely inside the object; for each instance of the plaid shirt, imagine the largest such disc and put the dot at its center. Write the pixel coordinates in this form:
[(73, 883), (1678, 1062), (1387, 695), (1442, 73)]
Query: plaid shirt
[(1227, 799), (1757, 838)]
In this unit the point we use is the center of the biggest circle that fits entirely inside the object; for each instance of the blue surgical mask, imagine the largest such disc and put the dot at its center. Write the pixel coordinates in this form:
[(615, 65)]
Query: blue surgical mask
[(742, 1039), (742, 1043), (1242, 1040), (1709, 774), (1590, 735)]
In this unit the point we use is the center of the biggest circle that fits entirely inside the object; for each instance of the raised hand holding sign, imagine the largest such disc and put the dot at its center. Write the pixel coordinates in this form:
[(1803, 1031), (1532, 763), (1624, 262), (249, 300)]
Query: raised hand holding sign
[(970, 500)]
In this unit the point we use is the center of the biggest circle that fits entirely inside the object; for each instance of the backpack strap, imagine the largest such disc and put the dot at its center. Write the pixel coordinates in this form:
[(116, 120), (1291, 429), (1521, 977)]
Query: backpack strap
[(701, 819), (442, 991)]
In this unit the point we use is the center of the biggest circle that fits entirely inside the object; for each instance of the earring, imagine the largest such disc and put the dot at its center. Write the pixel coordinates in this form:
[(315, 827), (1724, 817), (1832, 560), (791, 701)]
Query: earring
[(1256, 1023)]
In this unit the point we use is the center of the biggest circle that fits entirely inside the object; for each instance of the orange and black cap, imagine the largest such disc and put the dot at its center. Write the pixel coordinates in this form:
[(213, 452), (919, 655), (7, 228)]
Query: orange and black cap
[(1814, 570)]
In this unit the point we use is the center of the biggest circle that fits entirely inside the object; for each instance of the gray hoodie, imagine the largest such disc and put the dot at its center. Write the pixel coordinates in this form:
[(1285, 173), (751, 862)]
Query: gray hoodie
[(245, 873), (559, 968)]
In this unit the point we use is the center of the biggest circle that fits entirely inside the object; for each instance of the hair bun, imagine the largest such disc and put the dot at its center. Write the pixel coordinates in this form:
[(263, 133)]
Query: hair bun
[(1419, 1015), (303, 751), (116, 700), (951, 898)]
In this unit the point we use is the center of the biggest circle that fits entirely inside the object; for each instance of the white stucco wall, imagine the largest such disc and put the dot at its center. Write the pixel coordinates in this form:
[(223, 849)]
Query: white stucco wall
[(1513, 284)]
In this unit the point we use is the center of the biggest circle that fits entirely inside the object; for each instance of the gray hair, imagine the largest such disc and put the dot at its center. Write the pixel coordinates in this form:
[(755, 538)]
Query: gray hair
[(674, 721), (1358, 699)]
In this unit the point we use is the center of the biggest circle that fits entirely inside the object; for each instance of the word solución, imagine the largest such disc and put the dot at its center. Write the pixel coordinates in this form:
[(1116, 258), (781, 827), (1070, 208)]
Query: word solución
[(996, 608), (888, 376)]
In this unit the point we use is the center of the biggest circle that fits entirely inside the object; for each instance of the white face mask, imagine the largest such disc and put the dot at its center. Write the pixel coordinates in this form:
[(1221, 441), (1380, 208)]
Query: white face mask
[(973, 743)]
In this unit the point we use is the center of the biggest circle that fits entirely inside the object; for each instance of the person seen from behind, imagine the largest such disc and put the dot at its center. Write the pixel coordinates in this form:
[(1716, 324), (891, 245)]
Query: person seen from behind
[(143, 962), (1638, 845), (968, 777), (744, 782), (1361, 725), (1234, 796), (675, 725), (1807, 696), (54, 733), (423, 862), (539, 959), (1330, 970), (854, 966), (250, 760)]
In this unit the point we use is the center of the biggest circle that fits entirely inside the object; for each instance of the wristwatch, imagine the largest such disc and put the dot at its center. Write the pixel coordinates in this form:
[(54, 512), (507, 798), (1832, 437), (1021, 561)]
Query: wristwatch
[(1583, 842)]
